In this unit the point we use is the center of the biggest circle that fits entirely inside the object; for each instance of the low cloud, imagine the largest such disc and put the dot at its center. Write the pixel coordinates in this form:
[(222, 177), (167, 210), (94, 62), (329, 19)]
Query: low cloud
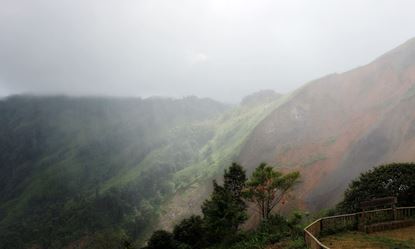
[(197, 58), (141, 48)]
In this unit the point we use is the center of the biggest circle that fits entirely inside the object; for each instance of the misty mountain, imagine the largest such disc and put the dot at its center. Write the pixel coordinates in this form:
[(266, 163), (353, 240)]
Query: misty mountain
[(74, 170), (336, 127), (331, 130), (64, 162)]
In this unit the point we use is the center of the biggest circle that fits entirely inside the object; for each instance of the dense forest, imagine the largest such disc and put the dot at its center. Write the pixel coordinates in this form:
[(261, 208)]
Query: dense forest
[(94, 170), (63, 159)]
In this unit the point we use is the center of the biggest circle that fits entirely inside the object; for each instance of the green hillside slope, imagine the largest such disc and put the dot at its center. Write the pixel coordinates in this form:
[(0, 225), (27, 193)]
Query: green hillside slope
[(95, 171), (65, 164), (195, 180)]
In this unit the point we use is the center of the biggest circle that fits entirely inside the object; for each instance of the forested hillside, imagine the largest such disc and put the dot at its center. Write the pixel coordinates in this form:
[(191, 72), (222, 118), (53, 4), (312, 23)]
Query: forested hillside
[(96, 171), (93, 171), (66, 163)]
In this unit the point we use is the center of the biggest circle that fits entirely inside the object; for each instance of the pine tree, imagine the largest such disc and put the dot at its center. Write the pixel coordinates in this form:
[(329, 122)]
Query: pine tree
[(234, 180), (225, 210)]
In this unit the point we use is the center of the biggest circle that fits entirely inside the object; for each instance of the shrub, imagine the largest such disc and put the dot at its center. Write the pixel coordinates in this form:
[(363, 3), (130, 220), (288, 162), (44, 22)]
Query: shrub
[(161, 240), (386, 180), (190, 232)]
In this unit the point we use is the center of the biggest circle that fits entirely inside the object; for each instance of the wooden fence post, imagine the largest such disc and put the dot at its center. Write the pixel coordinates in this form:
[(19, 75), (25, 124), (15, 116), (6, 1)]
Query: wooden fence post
[(395, 213)]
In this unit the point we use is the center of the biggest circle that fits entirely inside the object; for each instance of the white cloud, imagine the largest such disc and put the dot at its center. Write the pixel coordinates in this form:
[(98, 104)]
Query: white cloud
[(216, 48), (197, 58)]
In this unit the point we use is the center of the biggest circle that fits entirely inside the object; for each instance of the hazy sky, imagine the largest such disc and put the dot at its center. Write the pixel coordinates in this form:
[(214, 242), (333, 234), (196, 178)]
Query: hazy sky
[(222, 49)]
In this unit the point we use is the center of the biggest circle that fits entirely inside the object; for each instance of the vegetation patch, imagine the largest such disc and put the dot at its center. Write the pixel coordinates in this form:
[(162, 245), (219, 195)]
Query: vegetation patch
[(226, 210), (313, 159)]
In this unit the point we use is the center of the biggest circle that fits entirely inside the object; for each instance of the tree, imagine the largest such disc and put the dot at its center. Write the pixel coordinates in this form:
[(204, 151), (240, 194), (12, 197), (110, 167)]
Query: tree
[(267, 187), (225, 210), (234, 180), (161, 240), (387, 180), (234, 184), (190, 232), (111, 239)]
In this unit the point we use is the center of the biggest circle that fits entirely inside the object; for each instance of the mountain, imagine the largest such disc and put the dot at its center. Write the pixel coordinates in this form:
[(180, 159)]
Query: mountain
[(93, 171), (231, 133), (262, 96), (81, 172), (331, 130), (338, 126), (74, 167)]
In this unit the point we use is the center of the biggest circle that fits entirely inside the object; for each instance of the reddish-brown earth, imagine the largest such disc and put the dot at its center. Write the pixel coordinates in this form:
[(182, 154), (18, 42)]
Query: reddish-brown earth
[(339, 126), (331, 130)]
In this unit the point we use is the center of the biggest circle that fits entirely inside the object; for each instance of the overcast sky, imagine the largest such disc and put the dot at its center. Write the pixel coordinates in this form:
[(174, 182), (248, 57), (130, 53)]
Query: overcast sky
[(222, 49)]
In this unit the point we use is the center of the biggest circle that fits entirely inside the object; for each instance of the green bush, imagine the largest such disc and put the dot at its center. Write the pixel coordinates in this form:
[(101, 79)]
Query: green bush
[(190, 232), (161, 240), (297, 244), (387, 180)]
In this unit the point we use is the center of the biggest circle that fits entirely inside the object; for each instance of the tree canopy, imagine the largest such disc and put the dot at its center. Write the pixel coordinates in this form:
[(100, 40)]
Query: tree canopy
[(387, 180), (161, 240), (267, 188), (190, 232), (225, 210)]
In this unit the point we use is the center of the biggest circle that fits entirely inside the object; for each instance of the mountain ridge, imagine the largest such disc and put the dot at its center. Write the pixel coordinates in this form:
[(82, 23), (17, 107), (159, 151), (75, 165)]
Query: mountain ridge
[(321, 123), (74, 168)]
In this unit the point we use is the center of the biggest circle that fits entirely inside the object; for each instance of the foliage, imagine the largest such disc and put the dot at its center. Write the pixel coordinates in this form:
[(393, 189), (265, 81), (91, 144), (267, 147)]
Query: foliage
[(225, 210), (231, 131), (267, 188), (386, 180), (296, 224), (65, 164), (76, 168), (275, 230), (297, 243), (161, 240), (110, 240), (234, 180), (190, 232)]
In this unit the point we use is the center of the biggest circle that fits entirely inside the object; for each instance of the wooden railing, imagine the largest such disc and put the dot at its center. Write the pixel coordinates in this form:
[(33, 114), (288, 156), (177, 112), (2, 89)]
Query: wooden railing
[(350, 222)]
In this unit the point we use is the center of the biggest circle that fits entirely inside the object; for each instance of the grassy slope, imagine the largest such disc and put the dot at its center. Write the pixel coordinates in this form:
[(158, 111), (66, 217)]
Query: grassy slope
[(71, 156), (59, 151), (193, 182)]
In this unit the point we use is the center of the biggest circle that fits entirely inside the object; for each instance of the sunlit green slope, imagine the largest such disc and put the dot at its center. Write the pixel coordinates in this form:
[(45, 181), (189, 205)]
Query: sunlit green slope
[(94, 171)]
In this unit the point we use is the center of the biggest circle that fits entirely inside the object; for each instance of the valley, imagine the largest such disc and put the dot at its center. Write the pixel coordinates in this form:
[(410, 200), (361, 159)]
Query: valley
[(93, 169)]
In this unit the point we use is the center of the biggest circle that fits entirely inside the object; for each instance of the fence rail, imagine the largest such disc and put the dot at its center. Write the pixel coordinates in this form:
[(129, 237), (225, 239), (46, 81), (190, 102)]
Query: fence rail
[(350, 222)]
